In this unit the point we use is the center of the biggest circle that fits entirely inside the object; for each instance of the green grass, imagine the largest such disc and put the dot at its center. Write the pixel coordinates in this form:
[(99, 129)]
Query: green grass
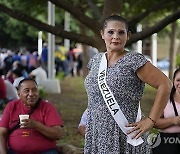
[(71, 103), (148, 99)]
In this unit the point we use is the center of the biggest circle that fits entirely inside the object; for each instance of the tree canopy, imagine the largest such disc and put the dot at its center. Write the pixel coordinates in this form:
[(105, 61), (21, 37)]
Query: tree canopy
[(154, 15)]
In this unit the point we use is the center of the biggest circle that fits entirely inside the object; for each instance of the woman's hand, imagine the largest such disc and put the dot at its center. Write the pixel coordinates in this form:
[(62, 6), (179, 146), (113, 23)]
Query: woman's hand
[(176, 120), (140, 127)]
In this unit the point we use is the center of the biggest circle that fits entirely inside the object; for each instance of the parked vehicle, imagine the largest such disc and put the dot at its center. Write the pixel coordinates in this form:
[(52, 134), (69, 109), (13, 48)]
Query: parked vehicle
[(163, 64)]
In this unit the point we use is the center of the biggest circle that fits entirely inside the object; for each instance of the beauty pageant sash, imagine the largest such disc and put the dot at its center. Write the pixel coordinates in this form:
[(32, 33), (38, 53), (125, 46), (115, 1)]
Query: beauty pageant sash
[(113, 105)]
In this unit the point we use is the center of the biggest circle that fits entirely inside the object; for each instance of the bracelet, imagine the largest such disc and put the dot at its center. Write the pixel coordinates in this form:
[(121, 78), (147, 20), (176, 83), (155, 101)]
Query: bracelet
[(152, 120)]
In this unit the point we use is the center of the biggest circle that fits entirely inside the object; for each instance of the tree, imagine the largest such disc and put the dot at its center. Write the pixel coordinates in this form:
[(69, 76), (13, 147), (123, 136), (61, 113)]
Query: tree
[(88, 13)]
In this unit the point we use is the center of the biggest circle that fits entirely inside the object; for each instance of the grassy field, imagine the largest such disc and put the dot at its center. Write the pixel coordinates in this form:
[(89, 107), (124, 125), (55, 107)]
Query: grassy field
[(72, 102)]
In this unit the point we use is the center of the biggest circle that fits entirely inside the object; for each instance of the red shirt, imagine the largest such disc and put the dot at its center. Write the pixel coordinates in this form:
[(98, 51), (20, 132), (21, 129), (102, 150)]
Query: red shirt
[(2, 89), (30, 140)]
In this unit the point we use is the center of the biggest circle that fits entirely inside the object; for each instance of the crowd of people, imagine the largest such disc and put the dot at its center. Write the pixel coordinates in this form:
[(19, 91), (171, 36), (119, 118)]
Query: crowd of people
[(112, 122), (16, 66)]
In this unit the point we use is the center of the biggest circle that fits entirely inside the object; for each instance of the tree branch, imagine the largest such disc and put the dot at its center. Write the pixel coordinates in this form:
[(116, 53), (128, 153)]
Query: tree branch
[(48, 28), (94, 40), (133, 22), (154, 29), (111, 6), (66, 5), (94, 8)]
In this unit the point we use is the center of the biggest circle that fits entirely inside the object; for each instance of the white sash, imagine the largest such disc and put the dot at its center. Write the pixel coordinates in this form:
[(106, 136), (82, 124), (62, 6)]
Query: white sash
[(113, 105)]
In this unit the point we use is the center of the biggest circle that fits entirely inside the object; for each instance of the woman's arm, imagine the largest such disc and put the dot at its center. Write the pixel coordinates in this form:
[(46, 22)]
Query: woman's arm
[(155, 78), (163, 123), (3, 140)]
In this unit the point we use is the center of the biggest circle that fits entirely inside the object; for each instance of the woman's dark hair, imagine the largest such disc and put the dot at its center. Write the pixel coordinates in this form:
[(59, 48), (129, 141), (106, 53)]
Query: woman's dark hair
[(26, 79), (173, 90), (114, 18)]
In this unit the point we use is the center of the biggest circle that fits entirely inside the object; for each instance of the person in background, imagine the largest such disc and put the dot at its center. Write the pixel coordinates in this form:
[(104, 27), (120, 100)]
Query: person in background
[(39, 74), (3, 55), (8, 61), (16, 56), (7, 90), (24, 59), (3, 92), (169, 123), (17, 76), (11, 91), (32, 59), (16, 66), (38, 134), (44, 56), (116, 83), (82, 124), (61, 60)]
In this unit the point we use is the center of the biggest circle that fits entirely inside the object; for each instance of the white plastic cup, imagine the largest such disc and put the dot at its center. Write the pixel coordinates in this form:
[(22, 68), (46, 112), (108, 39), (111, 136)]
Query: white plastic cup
[(22, 117)]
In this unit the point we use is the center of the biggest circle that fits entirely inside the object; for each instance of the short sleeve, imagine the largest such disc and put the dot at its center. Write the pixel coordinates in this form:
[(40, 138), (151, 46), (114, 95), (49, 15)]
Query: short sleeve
[(138, 60)]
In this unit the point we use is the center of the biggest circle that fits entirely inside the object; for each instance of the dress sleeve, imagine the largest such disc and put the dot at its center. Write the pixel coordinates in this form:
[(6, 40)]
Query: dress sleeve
[(138, 60), (91, 61)]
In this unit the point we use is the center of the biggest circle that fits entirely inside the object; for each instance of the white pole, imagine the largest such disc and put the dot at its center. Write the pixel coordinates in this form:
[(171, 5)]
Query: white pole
[(139, 43), (154, 49), (51, 41), (39, 43), (67, 28)]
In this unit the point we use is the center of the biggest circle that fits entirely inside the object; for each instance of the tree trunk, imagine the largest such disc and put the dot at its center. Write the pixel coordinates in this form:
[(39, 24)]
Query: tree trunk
[(112, 7), (85, 60), (85, 55), (172, 50)]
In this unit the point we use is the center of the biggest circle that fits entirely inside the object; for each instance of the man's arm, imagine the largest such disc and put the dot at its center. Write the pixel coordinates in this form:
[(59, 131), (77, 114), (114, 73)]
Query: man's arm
[(82, 124), (82, 129), (3, 140)]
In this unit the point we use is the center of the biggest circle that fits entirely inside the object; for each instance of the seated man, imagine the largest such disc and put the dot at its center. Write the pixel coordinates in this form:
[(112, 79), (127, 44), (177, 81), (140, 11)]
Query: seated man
[(82, 124), (39, 133)]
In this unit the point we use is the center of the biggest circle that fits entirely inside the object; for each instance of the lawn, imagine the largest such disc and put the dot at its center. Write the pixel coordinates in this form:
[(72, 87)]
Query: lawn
[(72, 102)]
